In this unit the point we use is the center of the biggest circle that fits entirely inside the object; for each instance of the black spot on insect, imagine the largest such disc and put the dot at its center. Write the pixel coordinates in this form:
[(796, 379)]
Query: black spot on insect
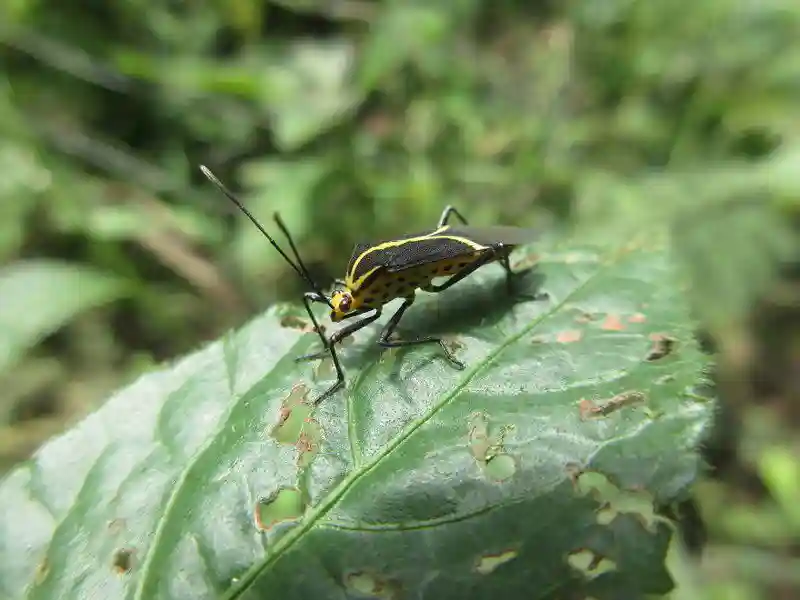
[(369, 300), (401, 279), (447, 268), (461, 265), (413, 283), (385, 295)]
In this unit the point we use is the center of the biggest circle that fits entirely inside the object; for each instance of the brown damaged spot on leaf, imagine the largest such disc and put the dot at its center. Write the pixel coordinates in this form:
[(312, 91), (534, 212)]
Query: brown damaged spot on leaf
[(487, 448), (42, 570), (662, 346), (489, 562), (613, 500), (371, 585), (574, 471), (294, 401), (592, 410), (585, 317), (613, 322), (116, 526), (122, 561), (308, 443), (569, 336), (526, 262), (637, 318), (299, 323), (285, 505), (590, 564), (296, 426)]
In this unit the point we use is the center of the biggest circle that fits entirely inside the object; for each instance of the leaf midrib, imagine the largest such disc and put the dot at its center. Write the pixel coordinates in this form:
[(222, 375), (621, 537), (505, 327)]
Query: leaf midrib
[(316, 513)]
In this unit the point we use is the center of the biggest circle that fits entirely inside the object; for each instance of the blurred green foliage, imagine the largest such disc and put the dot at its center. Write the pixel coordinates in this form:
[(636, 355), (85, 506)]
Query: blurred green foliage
[(358, 120)]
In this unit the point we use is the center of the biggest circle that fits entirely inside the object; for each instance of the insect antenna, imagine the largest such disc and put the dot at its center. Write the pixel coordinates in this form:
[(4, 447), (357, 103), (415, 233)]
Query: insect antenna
[(298, 267), (282, 226)]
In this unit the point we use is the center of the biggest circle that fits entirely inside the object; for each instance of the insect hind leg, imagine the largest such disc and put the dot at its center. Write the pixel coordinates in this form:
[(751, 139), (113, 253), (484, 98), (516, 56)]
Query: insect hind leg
[(450, 210), (384, 340)]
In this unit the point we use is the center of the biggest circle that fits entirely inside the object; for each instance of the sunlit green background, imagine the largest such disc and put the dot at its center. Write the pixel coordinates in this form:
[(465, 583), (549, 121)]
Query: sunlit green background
[(359, 120)]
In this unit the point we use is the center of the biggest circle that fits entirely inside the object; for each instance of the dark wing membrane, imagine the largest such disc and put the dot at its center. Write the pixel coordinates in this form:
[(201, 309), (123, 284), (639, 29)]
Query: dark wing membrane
[(494, 234), (358, 250), (418, 253)]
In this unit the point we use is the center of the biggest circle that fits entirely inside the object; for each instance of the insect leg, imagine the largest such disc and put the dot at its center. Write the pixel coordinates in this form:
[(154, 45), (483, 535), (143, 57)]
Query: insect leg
[(342, 333), (512, 276), (308, 298), (384, 340), (450, 210)]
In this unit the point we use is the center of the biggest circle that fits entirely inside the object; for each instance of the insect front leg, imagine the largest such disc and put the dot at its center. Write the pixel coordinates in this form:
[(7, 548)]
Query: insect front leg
[(308, 298), (450, 210), (342, 333), (384, 340)]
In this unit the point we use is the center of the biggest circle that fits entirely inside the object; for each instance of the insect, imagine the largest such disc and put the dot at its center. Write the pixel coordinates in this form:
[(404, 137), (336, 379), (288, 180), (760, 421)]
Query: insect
[(384, 271)]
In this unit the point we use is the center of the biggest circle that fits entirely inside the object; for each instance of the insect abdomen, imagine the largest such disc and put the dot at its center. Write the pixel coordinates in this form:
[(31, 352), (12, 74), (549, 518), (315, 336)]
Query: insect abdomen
[(401, 284)]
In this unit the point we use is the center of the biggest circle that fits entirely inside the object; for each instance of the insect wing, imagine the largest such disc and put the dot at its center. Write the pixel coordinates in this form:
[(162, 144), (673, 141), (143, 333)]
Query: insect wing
[(494, 234)]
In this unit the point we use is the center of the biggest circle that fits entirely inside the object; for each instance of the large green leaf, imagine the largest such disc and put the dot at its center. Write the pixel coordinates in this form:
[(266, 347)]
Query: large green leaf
[(533, 473)]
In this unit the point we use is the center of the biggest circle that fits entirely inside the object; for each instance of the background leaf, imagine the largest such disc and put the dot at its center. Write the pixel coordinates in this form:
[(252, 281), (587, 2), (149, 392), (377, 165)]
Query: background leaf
[(536, 468), (37, 297)]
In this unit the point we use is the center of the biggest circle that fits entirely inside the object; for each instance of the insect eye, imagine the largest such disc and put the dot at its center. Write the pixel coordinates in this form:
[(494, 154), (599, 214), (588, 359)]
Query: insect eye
[(344, 303)]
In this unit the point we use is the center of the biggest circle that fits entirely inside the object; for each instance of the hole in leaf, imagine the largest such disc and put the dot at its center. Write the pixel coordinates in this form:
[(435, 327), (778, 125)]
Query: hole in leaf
[(662, 346), (296, 426), (590, 564), (285, 505), (294, 322), (487, 448), (122, 561), (592, 410), (489, 562), (370, 585), (308, 443), (614, 501)]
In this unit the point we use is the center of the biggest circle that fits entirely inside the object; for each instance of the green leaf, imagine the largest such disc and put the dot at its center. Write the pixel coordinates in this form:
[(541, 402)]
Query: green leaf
[(309, 90), (282, 186), (401, 32), (37, 297), (202, 480)]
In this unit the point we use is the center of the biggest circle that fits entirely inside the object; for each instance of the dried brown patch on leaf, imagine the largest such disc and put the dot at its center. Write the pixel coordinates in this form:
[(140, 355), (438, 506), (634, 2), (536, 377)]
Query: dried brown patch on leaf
[(662, 345), (613, 322), (590, 410)]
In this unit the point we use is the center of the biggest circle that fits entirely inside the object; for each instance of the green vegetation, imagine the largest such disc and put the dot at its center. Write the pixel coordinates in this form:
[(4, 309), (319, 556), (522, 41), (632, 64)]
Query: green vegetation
[(599, 123)]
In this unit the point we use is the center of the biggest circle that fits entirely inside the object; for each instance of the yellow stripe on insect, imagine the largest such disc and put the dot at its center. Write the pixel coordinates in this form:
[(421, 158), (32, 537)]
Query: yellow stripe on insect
[(355, 284)]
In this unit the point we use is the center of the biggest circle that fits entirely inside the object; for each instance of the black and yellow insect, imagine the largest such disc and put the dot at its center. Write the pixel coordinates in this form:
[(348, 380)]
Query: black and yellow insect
[(384, 271)]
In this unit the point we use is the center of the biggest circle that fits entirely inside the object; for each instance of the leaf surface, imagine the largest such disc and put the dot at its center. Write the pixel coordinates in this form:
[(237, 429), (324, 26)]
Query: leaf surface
[(532, 473)]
